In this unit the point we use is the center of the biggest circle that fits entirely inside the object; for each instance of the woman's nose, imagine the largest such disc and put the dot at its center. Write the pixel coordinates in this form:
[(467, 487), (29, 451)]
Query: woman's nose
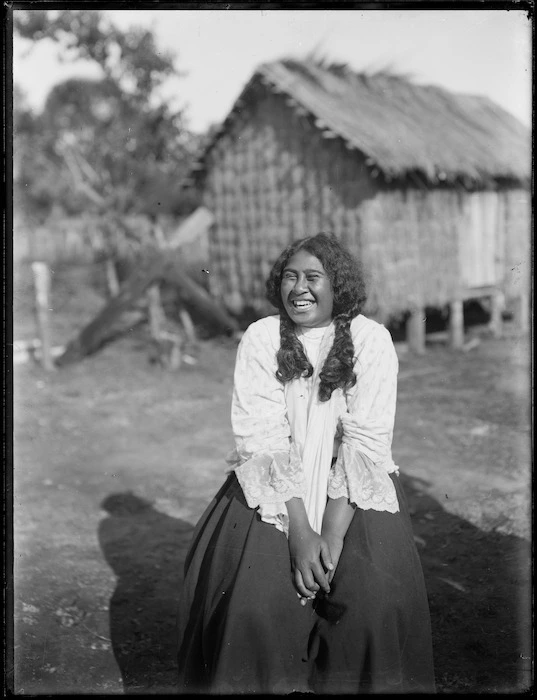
[(301, 285)]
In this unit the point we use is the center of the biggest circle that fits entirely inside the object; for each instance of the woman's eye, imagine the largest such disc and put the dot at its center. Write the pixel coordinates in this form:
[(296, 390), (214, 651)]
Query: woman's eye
[(288, 276)]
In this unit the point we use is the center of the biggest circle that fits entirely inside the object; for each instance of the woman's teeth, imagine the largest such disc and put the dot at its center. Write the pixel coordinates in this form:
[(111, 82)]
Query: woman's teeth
[(302, 304)]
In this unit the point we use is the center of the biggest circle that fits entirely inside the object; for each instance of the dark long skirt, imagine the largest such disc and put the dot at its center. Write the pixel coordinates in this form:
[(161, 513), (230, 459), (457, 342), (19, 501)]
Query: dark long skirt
[(242, 628)]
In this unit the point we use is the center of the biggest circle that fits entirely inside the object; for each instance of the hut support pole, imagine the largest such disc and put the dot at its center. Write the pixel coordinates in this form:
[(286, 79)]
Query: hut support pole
[(456, 325), (497, 304), (415, 331), (42, 296), (521, 312)]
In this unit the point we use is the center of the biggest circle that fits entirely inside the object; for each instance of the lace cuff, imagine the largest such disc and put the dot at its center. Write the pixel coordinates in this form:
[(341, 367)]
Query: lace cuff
[(337, 482), (365, 483), (275, 514), (271, 477)]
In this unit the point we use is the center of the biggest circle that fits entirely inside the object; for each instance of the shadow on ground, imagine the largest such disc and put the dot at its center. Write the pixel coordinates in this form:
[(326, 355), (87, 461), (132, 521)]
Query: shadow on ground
[(479, 587), (146, 550)]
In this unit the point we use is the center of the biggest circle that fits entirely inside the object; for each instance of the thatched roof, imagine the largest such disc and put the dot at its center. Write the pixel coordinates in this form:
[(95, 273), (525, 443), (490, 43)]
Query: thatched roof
[(400, 127)]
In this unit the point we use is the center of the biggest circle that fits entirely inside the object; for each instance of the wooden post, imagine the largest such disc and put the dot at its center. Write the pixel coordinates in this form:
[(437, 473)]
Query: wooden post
[(497, 304), (112, 281), (175, 358), (521, 312), (42, 295), (188, 325), (456, 325), (160, 238), (415, 331)]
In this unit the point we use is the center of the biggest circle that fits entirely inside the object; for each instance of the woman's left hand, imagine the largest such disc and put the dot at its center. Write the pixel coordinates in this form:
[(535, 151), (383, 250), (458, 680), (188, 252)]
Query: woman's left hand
[(310, 560), (336, 520), (335, 545)]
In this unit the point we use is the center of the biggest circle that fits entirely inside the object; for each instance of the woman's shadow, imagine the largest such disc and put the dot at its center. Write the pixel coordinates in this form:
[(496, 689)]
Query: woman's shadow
[(146, 550), (479, 588)]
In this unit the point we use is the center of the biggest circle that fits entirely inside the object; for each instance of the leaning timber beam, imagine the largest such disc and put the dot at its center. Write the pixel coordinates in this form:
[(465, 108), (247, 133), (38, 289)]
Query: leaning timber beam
[(157, 266)]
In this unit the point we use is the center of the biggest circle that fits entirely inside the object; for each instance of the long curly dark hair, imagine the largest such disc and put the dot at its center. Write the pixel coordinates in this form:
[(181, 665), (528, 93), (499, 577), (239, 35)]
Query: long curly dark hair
[(348, 288)]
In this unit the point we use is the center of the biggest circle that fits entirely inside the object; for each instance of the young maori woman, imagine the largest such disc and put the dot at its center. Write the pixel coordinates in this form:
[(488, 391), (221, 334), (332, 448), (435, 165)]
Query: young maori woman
[(303, 574)]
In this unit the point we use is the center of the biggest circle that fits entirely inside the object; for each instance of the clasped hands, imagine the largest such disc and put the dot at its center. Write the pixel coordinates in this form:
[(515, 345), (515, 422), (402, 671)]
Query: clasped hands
[(314, 559)]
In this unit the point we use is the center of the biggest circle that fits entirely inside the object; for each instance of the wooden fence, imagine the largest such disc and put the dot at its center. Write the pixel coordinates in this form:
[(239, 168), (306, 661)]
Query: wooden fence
[(83, 240), (65, 240)]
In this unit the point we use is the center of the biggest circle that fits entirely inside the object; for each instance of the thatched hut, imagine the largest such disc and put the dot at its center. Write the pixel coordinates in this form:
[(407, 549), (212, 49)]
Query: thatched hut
[(429, 188)]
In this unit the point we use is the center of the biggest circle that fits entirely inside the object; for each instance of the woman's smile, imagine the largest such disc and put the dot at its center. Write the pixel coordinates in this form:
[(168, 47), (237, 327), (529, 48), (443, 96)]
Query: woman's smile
[(302, 304)]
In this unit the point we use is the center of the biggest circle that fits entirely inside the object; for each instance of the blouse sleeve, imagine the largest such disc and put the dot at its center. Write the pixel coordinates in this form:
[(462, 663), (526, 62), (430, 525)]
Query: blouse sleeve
[(267, 465), (361, 471)]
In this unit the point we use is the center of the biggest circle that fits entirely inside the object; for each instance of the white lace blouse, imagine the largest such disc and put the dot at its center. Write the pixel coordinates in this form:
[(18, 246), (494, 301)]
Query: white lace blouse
[(268, 451)]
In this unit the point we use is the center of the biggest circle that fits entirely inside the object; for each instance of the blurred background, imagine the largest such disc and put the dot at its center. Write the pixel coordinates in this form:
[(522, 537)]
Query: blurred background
[(161, 161)]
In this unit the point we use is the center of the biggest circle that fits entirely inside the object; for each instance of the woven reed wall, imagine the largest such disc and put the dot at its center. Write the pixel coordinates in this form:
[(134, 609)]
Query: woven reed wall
[(273, 178), (430, 247)]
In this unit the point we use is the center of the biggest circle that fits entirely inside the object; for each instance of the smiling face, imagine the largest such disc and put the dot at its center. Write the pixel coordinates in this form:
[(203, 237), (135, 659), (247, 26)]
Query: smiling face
[(306, 291)]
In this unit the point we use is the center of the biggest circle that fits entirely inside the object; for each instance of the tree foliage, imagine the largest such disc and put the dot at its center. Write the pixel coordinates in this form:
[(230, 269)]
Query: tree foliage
[(110, 146)]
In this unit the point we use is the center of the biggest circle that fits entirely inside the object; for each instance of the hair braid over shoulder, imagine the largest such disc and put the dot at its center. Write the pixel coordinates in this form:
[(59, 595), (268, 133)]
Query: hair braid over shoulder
[(338, 368), (292, 360)]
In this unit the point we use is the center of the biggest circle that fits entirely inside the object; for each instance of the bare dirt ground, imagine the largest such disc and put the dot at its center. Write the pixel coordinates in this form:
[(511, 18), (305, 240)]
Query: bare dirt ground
[(115, 459)]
